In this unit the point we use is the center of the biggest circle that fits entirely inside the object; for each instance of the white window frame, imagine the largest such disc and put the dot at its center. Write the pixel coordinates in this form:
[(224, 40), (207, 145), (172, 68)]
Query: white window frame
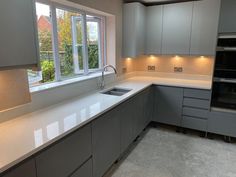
[(101, 41)]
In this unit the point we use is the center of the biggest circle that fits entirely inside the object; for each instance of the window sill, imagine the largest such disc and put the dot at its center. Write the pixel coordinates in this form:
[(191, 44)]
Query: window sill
[(52, 85)]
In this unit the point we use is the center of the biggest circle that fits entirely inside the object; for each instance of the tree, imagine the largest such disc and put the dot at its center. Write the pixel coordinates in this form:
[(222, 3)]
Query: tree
[(45, 40)]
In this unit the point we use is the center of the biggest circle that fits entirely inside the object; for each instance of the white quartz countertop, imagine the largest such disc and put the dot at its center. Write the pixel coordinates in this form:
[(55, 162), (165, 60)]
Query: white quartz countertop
[(24, 136)]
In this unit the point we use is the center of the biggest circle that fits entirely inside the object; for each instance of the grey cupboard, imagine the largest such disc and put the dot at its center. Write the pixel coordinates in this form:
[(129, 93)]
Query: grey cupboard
[(222, 122), (168, 105), (27, 169), (85, 170), (176, 35), (133, 29), (205, 27), (105, 141), (127, 119), (154, 21), (227, 16), (66, 156), (18, 34)]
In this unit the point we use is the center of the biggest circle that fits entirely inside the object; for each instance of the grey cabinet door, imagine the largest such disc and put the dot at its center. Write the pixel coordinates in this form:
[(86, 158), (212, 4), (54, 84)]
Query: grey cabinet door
[(227, 16), (168, 105), (205, 27), (85, 170), (223, 123), (133, 29), (177, 20), (63, 158), (106, 141), (148, 101), (154, 15), (27, 169), (127, 119), (18, 34)]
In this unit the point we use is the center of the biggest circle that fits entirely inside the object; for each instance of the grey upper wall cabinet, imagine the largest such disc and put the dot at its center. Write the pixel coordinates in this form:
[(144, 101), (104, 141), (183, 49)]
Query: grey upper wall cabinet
[(227, 16), (27, 169), (205, 27), (18, 34), (154, 22), (133, 29), (176, 34)]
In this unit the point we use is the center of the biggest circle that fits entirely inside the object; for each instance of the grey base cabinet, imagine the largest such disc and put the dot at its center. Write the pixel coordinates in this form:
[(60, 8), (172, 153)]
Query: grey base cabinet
[(106, 141), (85, 170), (27, 169), (127, 124), (223, 123), (168, 105), (62, 159)]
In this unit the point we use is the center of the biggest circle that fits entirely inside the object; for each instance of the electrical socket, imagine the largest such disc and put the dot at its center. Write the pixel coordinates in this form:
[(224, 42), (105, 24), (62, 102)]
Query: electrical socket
[(151, 68), (178, 69)]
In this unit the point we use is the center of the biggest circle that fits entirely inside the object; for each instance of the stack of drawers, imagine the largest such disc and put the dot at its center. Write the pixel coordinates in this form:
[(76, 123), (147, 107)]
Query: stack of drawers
[(196, 106)]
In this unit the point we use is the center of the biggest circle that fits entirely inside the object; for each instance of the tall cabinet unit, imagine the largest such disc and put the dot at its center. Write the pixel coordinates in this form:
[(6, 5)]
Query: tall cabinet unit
[(18, 44), (205, 27), (227, 16), (133, 29), (176, 33), (153, 34)]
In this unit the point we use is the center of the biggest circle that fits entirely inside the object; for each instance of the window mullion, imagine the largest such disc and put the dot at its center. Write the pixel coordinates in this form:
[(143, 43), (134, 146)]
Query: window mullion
[(55, 43), (85, 44)]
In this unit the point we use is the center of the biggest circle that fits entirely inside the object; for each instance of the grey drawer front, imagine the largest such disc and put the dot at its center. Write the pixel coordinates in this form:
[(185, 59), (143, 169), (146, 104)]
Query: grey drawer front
[(194, 112), (222, 123), (195, 93), (196, 103), (194, 123), (66, 156), (85, 170)]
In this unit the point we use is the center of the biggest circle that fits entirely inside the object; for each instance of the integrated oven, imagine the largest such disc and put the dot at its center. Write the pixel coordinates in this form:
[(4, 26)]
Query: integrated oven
[(224, 83)]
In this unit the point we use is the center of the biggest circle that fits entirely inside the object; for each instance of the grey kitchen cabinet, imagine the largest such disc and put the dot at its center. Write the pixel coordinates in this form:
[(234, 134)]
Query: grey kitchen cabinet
[(133, 29), (127, 119), (196, 109), (85, 170), (105, 141), (18, 34), (63, 158), (154, 21), (148, 101), (205, 27), (176, 35), (227, 16), (168, 105), (27, 169), (223, 123)]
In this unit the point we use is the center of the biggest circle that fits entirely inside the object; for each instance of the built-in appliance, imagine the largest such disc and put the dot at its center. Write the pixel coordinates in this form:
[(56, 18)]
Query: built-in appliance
[(224, 82)]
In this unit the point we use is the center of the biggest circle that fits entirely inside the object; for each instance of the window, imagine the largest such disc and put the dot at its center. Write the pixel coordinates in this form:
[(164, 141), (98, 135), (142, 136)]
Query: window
[(71, 43)]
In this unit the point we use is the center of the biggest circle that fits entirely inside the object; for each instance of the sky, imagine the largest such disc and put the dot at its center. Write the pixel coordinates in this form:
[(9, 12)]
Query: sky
[(42, 9)]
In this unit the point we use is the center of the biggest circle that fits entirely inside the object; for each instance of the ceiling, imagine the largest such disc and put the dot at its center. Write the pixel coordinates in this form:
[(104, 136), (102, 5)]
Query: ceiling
[(157, 2)]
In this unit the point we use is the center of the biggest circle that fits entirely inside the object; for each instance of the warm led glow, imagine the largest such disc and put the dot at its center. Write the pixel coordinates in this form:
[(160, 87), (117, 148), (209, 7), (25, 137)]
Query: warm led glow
[(152, 57), (128, 58), (177, 57)]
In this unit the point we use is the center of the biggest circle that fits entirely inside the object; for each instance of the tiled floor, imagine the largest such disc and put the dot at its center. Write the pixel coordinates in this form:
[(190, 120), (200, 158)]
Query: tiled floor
[(165, 153)]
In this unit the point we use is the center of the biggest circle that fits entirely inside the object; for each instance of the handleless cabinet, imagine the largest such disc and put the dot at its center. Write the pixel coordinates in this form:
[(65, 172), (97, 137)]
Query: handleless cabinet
[(133, 29), (177, 20), (27, 169), (205, 27), (154, 21), (168, 105), (18, 34), (227, 16), (105, 141), (63, 158)]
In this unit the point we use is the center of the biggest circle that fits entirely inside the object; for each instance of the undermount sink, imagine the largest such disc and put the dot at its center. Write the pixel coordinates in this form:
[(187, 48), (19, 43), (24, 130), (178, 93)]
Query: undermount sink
[(116, 91)]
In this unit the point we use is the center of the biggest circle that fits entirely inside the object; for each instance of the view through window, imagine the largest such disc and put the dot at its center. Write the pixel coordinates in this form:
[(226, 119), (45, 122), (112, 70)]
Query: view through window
[(70, 43)]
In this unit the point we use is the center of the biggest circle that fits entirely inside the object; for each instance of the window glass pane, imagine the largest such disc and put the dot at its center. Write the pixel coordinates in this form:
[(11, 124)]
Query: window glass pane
[(93, 40), (70, 42), (45, 47)]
